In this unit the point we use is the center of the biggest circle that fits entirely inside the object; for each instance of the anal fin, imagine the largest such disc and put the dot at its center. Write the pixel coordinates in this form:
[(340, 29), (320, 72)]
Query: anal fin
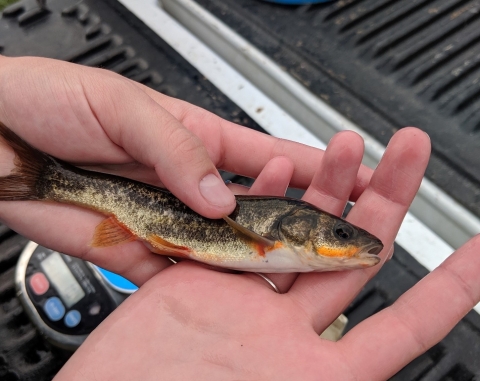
[(110, 232), (161, 246)]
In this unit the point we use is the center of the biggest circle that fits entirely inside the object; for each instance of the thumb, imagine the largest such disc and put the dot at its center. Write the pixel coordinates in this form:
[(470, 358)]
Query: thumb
[(153, 137), (187, 171)]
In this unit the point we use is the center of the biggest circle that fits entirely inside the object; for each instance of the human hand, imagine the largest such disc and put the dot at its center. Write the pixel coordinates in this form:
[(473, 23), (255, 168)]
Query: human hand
[(189, 322), (99, 120)]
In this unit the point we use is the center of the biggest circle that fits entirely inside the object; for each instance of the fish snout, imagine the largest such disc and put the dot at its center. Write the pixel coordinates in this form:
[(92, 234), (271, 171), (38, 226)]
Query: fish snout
[(369, 253), (375, 248)]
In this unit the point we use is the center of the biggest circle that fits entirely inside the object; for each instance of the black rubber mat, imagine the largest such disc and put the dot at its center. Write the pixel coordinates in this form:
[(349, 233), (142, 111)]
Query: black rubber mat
[(104, 34), (384, 64)]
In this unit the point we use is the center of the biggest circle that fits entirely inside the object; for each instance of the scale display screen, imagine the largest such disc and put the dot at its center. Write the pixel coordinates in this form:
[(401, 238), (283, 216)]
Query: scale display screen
[(62, 279)]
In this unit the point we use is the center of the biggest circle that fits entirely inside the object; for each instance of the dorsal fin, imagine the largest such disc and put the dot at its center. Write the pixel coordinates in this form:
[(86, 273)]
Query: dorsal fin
[(257, 238), (110, 232)]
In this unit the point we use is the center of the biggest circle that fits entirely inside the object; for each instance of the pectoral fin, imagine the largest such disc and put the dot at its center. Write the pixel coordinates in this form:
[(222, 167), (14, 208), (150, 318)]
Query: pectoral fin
[(256, 238), (110, 232)]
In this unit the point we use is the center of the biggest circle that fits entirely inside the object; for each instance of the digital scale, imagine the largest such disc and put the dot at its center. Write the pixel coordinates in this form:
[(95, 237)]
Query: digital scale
[(65, 297)]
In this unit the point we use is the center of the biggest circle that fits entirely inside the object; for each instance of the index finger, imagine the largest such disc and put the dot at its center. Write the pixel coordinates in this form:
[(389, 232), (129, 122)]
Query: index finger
[(244, 151)]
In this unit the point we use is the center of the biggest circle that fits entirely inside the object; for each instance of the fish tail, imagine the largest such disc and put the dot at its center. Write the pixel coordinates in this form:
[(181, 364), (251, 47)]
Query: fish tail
[(21, 183)]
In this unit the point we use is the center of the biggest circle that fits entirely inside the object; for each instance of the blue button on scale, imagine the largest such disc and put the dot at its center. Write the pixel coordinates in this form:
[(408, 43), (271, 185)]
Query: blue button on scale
[(72, 318), (54, 308)]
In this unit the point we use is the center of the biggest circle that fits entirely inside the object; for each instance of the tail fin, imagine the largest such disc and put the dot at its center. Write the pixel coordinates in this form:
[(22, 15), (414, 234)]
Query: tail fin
[(21, 184)]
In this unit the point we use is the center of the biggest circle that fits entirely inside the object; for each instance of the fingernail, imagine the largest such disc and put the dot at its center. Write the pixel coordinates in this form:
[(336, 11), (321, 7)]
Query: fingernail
[(215, 192)]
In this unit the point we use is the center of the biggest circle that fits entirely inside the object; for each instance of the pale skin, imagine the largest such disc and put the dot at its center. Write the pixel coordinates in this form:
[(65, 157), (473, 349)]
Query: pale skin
[(190, 322)]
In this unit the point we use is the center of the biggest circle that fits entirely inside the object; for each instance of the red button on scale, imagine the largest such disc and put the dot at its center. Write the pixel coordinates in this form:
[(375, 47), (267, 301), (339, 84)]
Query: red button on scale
[(39, 283)]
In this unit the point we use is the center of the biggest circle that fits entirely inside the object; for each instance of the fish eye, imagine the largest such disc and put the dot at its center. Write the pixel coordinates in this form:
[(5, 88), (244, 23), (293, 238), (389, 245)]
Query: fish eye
[(344, 231)]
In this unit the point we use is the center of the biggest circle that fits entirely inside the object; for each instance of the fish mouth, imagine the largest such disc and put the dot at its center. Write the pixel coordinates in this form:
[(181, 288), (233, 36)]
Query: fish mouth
[(370, 252), (375, 248)]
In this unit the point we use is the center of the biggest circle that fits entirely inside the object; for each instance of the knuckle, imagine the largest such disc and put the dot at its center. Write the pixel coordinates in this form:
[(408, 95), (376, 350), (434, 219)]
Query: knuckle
[(186, 147)]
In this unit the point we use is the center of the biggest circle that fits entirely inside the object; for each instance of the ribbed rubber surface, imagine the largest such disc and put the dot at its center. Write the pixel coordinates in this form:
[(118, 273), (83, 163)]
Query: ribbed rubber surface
[(70, 30), (384, 64), (102, 33)]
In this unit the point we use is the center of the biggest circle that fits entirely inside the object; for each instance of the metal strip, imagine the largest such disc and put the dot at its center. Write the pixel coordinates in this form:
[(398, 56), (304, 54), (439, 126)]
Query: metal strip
[(282, 106)]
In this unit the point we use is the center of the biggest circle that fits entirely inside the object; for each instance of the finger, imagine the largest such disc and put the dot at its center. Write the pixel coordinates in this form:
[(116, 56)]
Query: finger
[(113, 121), (69, 229), (274, 178), (160, 141), (244, 151), (238, 188), (419, 319), (134, 170), (380, 210), (335, 179), (273, 181)]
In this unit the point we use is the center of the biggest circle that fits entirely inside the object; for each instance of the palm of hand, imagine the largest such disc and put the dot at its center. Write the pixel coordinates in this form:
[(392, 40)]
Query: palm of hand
[(209, 325), (191, 323)]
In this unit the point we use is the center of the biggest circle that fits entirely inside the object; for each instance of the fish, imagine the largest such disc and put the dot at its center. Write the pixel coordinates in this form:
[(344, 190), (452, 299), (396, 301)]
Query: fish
[(263, 234)]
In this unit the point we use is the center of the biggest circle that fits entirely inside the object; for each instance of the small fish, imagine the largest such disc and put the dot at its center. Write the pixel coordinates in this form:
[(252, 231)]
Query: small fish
[(263, 234)]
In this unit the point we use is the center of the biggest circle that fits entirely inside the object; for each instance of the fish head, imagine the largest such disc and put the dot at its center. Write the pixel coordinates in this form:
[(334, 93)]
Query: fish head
[(328, 243)]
